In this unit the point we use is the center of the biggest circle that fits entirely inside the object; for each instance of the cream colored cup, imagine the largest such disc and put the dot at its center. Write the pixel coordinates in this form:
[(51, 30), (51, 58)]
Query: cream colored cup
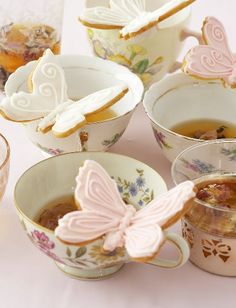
[(179, 98), (55, 177), (85, 75), (150, 55)]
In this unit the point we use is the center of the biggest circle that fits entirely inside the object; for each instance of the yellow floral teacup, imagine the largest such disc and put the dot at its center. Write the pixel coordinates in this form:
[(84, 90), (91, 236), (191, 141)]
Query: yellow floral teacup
[(150, 55), (54, 178)]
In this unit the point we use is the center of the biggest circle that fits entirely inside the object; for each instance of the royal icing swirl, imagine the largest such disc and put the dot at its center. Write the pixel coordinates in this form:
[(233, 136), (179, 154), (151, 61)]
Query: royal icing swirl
[(103, 213), (131, 16), (49, 90)]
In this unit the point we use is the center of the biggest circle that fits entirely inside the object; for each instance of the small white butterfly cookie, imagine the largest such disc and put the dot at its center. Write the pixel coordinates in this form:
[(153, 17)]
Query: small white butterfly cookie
[(131, 17), (50, 103)]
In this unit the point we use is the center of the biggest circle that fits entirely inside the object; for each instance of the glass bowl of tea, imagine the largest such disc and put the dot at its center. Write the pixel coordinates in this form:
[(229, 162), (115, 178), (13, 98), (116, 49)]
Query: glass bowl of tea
[(210, 224), (184, 111), (84, 75)]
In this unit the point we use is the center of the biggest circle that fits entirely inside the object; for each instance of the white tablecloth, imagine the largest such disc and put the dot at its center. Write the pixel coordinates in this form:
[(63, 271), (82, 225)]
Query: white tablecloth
[(29, 279)]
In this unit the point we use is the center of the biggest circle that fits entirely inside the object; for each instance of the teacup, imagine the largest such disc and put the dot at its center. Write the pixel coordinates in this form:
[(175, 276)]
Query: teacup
[(55, 177), (85, 75), (179, 98), (150, 55), (4, 164), (209, 230)]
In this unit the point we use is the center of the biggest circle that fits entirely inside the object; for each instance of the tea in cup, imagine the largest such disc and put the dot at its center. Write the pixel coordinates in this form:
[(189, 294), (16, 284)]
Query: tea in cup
[(184, 111), (210, 224), (45, 202)]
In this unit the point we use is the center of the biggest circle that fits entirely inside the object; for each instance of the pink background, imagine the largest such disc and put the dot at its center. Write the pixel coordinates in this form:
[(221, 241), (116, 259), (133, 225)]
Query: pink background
[(28, 279)]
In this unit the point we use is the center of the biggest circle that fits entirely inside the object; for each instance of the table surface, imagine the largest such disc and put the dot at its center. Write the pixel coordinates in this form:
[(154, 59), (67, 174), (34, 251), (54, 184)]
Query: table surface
[(29, 279)]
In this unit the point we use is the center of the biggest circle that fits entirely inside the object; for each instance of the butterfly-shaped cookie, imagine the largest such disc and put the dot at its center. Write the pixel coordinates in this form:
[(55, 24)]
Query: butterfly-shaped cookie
[(215, 59), (129, 16), (104, 214), (50, 103)]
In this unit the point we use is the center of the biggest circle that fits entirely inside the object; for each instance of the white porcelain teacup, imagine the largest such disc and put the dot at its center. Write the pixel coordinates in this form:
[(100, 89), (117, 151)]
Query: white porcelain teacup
[(55, 177), (150, 55), (85, 75), (179, 98)]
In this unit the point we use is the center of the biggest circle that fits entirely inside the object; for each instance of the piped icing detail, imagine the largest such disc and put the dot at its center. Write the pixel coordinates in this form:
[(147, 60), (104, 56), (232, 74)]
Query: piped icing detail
[(130, 16), (49, 90), (214, 60), (104, 213)]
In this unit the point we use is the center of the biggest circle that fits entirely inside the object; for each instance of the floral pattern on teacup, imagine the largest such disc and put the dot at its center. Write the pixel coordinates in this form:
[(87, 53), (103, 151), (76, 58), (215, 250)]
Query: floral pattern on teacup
[(112, 140), (136, 189), (50, 151), (161, 140), (199, 166), (133, 56), (230, 153), (42, 241)]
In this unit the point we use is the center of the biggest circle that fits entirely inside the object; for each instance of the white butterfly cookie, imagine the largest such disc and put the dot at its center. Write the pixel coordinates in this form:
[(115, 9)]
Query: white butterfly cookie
[(131, 17), (104, 214), (49, 102)]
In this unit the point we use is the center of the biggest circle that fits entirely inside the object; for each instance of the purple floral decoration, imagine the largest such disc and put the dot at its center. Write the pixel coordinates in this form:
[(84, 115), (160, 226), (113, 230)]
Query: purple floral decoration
[(41, 240), (160, 138), (199, 166), (136, 188)]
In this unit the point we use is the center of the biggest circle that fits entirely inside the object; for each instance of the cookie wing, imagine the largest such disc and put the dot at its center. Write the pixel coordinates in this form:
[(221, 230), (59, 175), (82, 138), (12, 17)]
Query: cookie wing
[(79, 227), (49, 90), (207, 62), (97, 192), (168, 208), (143, 241), (117, 15), (74, 116), (215, 36)]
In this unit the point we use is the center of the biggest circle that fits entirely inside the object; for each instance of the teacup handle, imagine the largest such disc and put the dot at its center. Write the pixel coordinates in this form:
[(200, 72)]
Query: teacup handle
[(186, 33), (183, 250)]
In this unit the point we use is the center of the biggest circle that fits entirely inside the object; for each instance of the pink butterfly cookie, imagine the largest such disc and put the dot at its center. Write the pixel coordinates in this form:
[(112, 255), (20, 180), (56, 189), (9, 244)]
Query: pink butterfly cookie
[(104, 214), (215, 59)]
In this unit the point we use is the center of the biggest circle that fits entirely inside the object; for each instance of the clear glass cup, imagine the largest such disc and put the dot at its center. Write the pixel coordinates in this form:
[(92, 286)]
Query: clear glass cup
[(210, 228), (27, 28), (4, 164)]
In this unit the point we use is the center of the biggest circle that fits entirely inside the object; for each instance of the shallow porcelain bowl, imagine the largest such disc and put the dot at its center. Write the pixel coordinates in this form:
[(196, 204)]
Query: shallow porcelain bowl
[(4, 164), (85, 75), (55, 178), (179, 98), (210, 231)]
